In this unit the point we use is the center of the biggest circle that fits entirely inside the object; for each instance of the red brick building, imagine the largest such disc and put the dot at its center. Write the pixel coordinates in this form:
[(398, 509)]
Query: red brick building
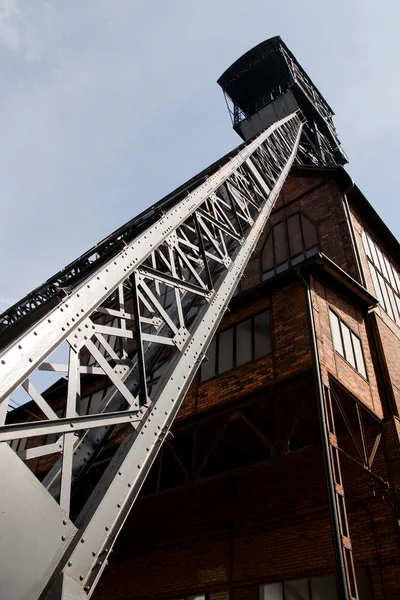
[(236, 503)]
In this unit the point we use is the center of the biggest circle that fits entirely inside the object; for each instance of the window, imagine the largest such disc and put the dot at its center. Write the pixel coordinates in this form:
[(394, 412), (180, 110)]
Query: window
[(322, 587), (385, 278), (237, 345), (288, 243), (347, 344)]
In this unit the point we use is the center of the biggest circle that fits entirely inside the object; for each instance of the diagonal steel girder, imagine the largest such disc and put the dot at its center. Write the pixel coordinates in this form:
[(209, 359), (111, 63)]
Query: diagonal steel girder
[(166, 293)]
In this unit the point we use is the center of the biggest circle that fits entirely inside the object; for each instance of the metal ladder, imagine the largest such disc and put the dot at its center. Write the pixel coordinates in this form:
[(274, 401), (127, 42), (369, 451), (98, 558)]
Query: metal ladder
[(161, 293)]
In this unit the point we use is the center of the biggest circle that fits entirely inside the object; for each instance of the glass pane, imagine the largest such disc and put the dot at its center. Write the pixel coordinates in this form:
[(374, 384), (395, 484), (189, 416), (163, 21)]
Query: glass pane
[(208, 366), (387, 306), (294, 234), (366, 245), (268, 275), (337, 338), (311, 251), (348, 348), (378, 292), (389, 270), (390, 293), (359, 355), (267, 258), (309, 233), (262, 334), (297, 259), (243, 342), (381, 262), (225, 350), (296, 590), (282, 267), (272, 591), (323, 588), (373, 252), (280, 243), (397, 279)]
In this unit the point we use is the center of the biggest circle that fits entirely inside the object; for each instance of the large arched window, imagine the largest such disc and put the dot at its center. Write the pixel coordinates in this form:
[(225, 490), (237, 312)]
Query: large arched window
[(288, 243)]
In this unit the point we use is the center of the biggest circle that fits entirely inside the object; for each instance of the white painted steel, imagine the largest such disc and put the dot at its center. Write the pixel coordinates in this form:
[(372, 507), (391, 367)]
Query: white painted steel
[(197, 253)]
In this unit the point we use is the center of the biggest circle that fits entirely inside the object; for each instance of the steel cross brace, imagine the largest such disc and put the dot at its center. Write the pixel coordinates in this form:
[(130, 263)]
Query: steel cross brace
[(167, 292)]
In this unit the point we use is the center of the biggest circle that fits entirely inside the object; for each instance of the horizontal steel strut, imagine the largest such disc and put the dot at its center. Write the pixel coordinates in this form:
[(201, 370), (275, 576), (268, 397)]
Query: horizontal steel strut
[(142, 323)]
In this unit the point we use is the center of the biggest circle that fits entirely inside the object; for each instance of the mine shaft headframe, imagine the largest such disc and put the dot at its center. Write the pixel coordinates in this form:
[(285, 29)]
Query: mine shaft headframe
[(266, 84)]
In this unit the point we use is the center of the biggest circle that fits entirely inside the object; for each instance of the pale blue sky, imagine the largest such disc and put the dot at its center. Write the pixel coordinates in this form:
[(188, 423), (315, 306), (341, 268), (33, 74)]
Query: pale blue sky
[(106, 106)]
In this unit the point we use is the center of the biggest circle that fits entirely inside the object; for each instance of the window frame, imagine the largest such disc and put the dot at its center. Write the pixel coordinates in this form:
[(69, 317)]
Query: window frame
[(351, 334), (383, 275), (278, 268), (234, 345)]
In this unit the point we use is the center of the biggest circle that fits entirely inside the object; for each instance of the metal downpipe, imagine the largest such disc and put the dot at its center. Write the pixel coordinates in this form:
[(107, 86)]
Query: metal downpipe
[(333, 507)]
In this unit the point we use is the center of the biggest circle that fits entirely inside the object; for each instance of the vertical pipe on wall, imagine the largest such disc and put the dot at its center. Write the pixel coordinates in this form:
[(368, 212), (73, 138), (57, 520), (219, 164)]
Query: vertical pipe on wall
[(333, 507)]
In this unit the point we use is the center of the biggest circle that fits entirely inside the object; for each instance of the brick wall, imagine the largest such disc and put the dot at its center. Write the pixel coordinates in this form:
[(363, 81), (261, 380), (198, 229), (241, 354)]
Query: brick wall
[(290, 353), (228, 537), (320, 200), (271, 523), (325, 297)]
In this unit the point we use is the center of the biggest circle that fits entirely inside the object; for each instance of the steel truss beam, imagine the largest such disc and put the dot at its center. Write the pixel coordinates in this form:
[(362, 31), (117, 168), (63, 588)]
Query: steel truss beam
[(165, 294)]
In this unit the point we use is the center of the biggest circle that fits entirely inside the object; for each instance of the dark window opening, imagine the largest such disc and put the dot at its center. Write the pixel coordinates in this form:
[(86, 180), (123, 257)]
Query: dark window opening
[(385, 278), (288, 243), (237, 345)]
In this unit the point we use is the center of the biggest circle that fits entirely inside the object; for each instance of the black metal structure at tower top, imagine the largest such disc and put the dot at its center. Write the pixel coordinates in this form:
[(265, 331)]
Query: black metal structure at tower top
[(265, 85)]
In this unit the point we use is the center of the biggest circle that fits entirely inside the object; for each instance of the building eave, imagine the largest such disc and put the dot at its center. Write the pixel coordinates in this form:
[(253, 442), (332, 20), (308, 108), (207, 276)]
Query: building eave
[(357, 200)]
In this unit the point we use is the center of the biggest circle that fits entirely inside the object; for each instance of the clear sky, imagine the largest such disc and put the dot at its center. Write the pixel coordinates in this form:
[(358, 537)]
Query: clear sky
[(108, 105)]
